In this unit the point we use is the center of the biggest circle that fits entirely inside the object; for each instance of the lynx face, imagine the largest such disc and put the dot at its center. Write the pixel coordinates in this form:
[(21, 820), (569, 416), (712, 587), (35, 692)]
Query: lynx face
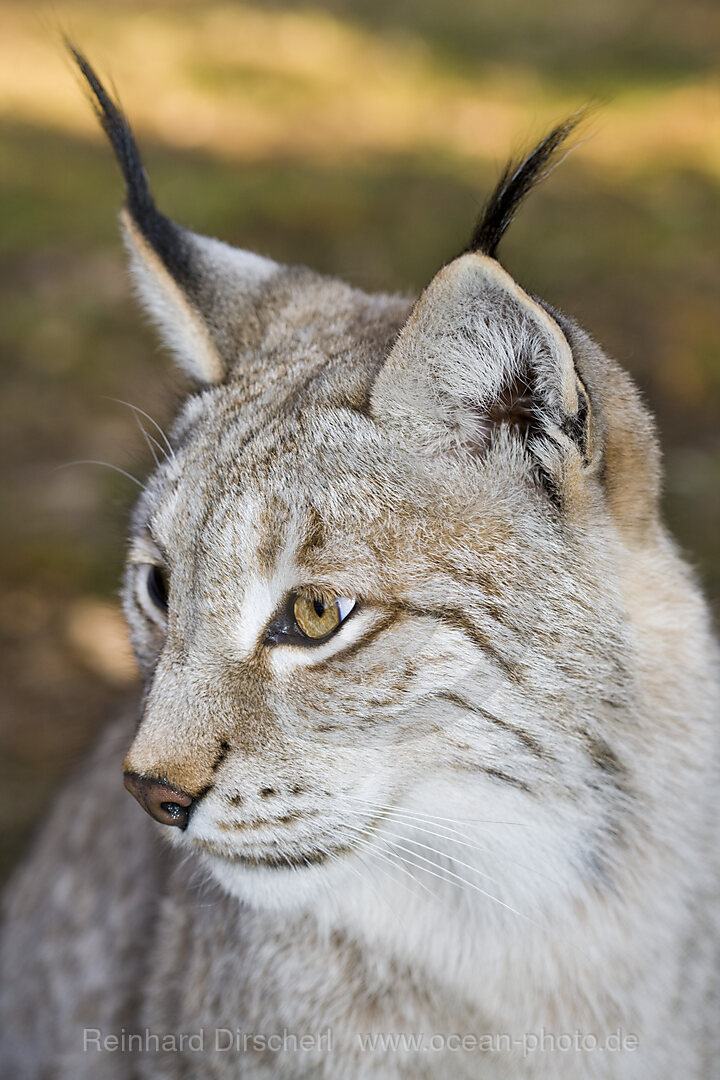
[(370, 587)]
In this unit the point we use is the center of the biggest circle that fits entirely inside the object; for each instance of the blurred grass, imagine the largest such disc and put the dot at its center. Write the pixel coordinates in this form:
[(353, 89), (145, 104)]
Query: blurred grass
[(358, 137)]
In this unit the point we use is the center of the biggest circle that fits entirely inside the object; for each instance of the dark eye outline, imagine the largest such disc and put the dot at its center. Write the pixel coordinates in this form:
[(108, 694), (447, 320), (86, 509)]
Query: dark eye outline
[(157, 586), (284, 630)]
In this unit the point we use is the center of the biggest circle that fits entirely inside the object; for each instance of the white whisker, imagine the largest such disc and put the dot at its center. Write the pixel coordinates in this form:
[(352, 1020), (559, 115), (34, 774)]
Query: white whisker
[(374, 852), (442, 854), (436, 818), (151, 443), (372, 849), (168, 444), (347, 863), (460, 881), (456, 837), (105, 464)]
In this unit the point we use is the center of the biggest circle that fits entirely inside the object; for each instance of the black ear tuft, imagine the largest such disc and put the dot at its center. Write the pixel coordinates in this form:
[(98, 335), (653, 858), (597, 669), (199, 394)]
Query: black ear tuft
[(164, 236), (517, 180)]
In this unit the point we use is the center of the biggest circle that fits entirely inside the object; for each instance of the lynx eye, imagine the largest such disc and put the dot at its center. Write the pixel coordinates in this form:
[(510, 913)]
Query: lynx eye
[(308, 620), (156, 583), (318, 618)]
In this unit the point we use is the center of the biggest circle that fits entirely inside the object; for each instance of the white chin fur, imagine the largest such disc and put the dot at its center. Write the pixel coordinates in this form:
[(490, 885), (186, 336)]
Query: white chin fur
[(276, 888)]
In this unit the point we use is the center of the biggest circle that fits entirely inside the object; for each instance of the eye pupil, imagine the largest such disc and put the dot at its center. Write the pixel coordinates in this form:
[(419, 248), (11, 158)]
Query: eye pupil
[(157, 587), (319, 608)]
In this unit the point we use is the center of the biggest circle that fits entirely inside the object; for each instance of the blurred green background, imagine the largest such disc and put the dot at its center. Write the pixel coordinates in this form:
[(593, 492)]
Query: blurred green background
[(359, 138)]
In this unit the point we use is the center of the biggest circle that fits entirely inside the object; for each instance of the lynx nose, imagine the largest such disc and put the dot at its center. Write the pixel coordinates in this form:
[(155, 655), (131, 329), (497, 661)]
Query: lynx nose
[(166, 804)]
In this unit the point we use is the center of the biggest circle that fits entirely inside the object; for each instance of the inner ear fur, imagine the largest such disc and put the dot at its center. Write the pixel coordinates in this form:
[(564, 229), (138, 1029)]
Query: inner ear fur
[(182, 326), (478, 354)]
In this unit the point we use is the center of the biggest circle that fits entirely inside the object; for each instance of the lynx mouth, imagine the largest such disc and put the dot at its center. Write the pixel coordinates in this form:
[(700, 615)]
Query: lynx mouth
[(297, 859), (276, 860)]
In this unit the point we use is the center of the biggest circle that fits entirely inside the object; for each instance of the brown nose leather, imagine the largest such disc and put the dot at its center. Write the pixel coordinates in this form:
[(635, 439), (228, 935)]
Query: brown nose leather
[(166, 804)]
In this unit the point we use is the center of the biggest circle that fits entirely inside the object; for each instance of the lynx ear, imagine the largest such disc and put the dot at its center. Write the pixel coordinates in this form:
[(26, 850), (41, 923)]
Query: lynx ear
[(200, 292), (476, 354)]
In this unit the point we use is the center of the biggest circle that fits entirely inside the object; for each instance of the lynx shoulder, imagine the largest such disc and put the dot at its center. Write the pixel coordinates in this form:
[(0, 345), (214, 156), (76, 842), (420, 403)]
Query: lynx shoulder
[(429, 734)]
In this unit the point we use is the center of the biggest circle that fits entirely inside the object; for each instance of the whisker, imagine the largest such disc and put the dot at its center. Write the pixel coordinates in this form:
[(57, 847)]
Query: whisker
[(372, 849), (349, 865), (457, 837), (151, 443), (119, 401), (106, 464), (418, 821), (375, 853), (436, 818), (332, 897), (461, 881), (291, 864), (425, 870), (442, 854)]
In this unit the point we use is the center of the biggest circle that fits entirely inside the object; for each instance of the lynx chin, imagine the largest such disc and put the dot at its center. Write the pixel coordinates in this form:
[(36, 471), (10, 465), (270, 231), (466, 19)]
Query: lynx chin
[(428, 742)]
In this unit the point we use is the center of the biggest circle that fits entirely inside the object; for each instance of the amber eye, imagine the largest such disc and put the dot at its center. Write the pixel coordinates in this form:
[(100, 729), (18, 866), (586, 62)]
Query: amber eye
[(319, 618)]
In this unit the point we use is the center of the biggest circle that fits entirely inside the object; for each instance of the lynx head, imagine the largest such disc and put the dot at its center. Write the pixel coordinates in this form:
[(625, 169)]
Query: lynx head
[(371, 582)]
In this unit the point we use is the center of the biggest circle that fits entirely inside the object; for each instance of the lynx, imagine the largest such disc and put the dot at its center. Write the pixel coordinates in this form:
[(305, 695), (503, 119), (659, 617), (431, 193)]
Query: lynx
[(430, 711)]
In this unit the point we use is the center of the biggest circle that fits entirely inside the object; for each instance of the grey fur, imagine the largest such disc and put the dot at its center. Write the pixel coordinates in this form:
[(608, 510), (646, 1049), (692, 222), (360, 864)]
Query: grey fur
[(488, 804)]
